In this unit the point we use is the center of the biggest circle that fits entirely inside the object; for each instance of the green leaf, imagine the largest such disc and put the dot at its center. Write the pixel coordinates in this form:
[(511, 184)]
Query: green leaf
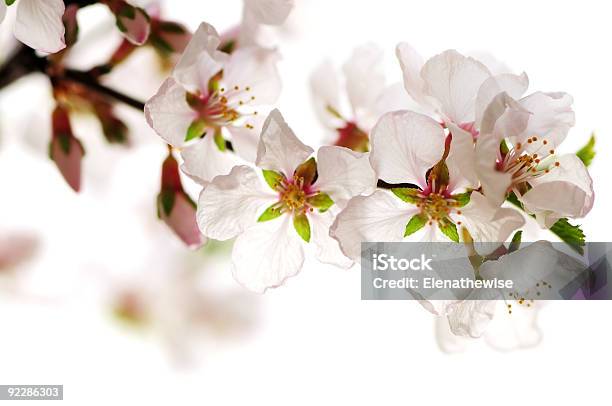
[(220, 141), (569, 234), (9, 2), (302, 226), (321, 201), (462, 198), (406, 194), (273, 179), (271, 213), (450, 230), (417, 222), (196, 129), (587, 153), (516, 241), (307, 171), (514, 200)]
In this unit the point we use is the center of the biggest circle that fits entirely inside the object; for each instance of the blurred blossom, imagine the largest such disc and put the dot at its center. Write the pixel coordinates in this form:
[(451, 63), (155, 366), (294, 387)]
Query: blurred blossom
[(15, 249)]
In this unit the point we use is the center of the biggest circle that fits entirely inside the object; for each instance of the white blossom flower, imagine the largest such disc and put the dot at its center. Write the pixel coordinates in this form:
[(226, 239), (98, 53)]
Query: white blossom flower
[(273, 225), (350, 109), (261, 12), (516, 152), (434, 184), (212, 96), (38, 24)]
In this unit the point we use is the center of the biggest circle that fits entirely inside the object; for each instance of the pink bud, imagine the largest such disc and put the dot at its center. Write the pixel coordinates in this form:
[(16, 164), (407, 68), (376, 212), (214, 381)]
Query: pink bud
[(65, 150), (71, 25), (133, 22)]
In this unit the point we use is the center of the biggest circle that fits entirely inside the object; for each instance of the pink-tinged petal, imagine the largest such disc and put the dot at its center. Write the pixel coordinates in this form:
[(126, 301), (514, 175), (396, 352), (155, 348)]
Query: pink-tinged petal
[(135, 27), (513, 85), (404, 146), (378, 217), (2, 11), (365, 78), (328, 249), (200, 61), (268, 253), (39, 24), (203, 160), (494, 183), (182, 220), (232, 203), (169, 114), (551, 119), (343, 173), (461, 160), (270, 12), (486, 222), (453, 80), (279, 149), (325, 91), (16, 249), (253, 70), (566, 191)]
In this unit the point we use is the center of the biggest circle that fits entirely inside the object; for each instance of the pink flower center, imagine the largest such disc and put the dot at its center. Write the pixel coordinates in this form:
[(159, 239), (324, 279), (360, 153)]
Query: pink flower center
[(225, 106)]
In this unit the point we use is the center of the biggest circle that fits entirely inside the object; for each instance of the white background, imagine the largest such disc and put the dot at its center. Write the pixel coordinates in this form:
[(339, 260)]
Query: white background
[(312, 341)]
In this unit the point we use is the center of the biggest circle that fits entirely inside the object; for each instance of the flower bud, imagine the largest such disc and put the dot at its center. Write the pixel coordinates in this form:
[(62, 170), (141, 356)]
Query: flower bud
[(65, 150)]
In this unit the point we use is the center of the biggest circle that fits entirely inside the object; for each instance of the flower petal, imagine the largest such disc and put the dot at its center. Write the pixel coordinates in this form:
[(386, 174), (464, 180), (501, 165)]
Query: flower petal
[(325, 94), (245, 139), (328, 249), (2, 11), (279, 149), (201, 60), (168, 113), (378, 217), (265, 255), (232, 203), (203, 160), (471, 317), (461, 159), (343, 173), (411, 63), (270, 12), (566, 191), (404, 146), (504, 117), (365, 78), (39, 24), (487, 222), (551, 119), (494, 183), (513, 85), (253, 70), (454, 80)]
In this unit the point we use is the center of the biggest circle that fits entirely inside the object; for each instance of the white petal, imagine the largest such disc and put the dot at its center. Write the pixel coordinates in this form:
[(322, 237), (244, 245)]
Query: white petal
[(279, 149), (566, 191), (365, 78), (487, 222), (343, 173), (232, 203), (411, 63), (504, 117), (471, 317), (494, 183), (265, 255), (2, 11), (200, 60), (245, 140), (271, 12), (325, 93), (454, 80), (328, 249), (378, 217), (551, 119), (514, 85), (169, 114), (252, 68), (203, 160), (404, 146), (39, 24), (461, 160)]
